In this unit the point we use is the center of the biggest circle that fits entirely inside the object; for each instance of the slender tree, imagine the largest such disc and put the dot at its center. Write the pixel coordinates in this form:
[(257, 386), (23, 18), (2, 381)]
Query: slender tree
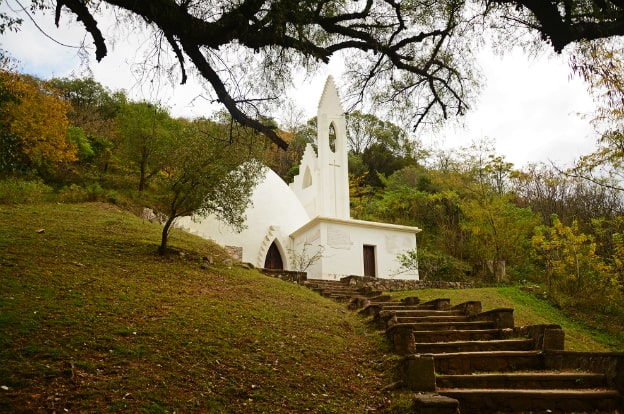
[(206, 172), (144, 129)]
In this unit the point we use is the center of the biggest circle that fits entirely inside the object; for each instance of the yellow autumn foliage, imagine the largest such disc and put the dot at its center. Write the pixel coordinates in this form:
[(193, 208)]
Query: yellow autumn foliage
[(572, 264), (37, 116)]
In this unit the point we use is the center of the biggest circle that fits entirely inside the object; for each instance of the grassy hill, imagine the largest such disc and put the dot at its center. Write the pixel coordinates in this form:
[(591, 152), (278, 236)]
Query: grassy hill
[(91, 319)]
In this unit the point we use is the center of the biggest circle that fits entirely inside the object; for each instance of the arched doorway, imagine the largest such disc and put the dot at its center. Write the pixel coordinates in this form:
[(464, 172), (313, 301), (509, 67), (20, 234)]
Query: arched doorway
[(273, 258)]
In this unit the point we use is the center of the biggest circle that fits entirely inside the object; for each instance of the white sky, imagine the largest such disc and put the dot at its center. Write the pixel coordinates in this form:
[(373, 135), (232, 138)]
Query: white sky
[(529, 106)]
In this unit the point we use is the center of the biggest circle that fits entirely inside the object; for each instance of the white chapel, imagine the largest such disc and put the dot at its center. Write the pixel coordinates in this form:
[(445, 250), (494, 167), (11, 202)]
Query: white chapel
[(287, 223)]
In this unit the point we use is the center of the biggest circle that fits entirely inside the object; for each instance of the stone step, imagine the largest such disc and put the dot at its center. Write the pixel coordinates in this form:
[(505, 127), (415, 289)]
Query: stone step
[(329, 286), (375, 308), (424, 313), (475, 346), (414, 303), (489, 361), (456, 335), (448, 326), (342, 298), (524, 380), (327, 292), (431, 318), (403, 338), (535, 400), (324, 285), (397, 306), (384, 319), (322, 288)]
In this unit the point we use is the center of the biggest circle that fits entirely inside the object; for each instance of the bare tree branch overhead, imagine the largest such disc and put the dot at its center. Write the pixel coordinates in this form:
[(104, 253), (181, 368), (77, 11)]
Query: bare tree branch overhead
[(412, 57)]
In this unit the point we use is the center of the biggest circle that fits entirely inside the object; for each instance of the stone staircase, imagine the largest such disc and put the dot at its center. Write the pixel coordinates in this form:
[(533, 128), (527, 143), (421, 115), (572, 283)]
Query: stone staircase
[(462, 359), (341, 292)]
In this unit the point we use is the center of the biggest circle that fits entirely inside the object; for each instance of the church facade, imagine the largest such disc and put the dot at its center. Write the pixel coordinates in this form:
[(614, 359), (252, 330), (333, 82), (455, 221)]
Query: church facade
[(307, 226)]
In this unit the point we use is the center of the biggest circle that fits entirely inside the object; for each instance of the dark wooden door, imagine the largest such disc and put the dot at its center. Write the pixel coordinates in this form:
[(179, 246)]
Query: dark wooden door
[(369, 261), (273, 258)]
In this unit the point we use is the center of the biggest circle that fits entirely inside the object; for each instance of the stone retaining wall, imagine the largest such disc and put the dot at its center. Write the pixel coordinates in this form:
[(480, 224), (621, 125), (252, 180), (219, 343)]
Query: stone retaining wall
[(372, 282), (286, 275), (396, 284)]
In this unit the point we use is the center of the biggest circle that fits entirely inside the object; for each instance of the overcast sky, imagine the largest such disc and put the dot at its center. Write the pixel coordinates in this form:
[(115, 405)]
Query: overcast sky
[(529, 106)]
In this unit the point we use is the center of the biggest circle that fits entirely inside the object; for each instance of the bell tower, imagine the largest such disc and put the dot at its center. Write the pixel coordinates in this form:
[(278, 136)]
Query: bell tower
[(333, 190)]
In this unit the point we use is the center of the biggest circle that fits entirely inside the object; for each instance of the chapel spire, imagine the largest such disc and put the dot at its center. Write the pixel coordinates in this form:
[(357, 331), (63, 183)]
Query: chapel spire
[(332, 154), (322, 184)]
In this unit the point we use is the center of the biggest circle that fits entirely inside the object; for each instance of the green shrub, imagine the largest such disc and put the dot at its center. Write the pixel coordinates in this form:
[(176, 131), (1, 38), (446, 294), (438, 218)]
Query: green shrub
[(434, 265), (72, 194), (92, 192), (16, 191), (95, 192)]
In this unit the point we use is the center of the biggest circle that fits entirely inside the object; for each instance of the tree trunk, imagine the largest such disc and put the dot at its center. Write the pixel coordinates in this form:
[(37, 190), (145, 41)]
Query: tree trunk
[(162, 249), (143, 168)]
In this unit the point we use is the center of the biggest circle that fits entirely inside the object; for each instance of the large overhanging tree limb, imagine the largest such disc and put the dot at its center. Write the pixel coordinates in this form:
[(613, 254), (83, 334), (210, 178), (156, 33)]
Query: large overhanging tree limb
[(404, 38), (406, 54), (409, 54), (206, 70), (406, 51), (82, 13)]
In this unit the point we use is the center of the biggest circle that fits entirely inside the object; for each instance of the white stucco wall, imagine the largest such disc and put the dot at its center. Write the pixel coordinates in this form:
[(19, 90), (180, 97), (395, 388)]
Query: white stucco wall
[(275, 214), (343, 242)]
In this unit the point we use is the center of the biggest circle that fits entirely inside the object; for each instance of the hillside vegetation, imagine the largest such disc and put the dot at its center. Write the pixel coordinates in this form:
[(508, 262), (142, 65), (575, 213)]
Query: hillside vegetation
[(92, 319)]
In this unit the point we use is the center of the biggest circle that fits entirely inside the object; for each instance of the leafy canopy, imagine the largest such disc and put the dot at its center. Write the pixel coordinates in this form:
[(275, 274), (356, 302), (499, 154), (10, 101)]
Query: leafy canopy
[(33, 125), (206, 174)]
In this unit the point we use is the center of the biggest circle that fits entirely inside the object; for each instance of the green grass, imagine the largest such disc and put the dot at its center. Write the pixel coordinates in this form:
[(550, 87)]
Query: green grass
[(93, 320)]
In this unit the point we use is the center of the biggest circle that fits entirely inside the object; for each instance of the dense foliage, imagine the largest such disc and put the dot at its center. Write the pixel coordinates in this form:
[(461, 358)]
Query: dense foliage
[(34, 126)]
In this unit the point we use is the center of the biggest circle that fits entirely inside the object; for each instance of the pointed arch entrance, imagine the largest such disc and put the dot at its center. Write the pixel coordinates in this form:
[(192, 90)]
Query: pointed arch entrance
[(274, 258)]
